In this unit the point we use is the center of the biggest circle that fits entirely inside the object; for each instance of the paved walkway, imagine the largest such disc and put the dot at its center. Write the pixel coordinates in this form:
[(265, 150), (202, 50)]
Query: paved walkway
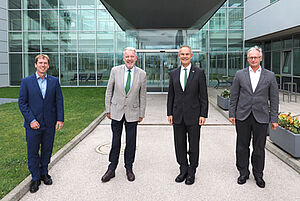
[(7, 100), (77, 175)]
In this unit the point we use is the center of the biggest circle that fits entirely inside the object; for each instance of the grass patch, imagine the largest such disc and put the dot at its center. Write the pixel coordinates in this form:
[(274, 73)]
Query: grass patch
[(82, 106)]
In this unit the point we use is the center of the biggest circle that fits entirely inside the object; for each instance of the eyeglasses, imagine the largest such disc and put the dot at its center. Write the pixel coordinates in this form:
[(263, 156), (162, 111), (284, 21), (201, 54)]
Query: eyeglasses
[(251, 58)]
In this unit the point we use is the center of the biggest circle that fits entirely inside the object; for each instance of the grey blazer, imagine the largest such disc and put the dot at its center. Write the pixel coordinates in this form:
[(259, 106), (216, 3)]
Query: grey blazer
[(263, 103), (118, 103)]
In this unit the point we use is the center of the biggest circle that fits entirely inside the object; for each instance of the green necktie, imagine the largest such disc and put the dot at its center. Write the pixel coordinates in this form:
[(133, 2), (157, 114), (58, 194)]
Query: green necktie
[(185, 77), (127, 87)]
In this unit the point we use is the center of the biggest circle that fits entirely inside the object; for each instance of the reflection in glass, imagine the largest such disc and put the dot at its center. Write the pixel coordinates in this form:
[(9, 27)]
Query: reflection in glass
[(68, 69), (86, 3), (32, 4), (67, 4), (286, 67), (86, 69), (235, 40), (105, 61), (121, 41), (276, 62), (31, 41), (68, 42), (86, 42), (49, 4), (29, 67), (15, 4), (236, 18), (217, 67), (14, 20), (86, 20), (67, 20), (236, 3), (105, 41), (296, 63), (218, 41), (50, 41), (218, 21), (15, 72), (53, 65), (15, 42), (267, 60), (235, 63), (50, 20), (31, 20)]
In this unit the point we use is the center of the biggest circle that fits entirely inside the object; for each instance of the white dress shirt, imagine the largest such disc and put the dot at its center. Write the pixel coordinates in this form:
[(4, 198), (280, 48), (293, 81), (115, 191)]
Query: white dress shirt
[(182, 71), (254, 77)]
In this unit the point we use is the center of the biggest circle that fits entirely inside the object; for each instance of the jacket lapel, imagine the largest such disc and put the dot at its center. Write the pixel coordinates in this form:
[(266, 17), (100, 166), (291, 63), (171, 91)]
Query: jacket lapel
[(135, 79), (247, 78), (48, 80), (261, 78), (177, 78), (36, 85), (190, 77)]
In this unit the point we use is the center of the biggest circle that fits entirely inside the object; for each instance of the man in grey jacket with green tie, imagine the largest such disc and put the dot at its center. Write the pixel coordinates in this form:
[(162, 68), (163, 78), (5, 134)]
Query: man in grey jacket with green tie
[(125, 102)]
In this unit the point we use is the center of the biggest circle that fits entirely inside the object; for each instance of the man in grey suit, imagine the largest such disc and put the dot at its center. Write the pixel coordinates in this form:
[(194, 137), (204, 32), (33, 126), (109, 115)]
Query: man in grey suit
[(125, 102), (253, 105)]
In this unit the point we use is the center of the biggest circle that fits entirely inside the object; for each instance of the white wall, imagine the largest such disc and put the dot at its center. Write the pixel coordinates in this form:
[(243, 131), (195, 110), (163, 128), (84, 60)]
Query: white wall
[(4, 72), (262, 18)]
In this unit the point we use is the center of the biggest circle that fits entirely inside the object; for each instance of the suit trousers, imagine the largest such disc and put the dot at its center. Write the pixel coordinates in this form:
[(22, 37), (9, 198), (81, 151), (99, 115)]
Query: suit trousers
[(181, 133), (129, 155), (42, 138), (245, 129)]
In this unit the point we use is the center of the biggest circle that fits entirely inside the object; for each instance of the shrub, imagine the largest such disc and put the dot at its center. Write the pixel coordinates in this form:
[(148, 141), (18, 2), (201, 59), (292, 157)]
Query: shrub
[(225, 93)]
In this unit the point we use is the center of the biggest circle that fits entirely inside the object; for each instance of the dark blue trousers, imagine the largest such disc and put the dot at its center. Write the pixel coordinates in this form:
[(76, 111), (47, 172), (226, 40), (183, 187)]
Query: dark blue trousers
[(41, 139), (129, 155)]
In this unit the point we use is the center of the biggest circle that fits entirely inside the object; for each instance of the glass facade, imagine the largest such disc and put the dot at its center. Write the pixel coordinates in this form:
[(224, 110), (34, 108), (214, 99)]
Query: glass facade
[(84, 42)]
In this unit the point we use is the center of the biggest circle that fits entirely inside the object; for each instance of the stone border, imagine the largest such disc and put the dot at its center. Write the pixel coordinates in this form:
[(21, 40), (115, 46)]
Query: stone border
[(282, 155), (20, 190)]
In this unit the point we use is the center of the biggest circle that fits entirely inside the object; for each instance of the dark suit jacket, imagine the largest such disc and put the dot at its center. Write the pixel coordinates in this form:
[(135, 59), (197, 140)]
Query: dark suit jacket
[(190, 104), (263, 103), (32, 105)]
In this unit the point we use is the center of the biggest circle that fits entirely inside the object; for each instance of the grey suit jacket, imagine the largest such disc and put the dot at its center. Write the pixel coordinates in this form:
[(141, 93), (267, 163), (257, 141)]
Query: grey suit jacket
[(118, 103), (263, 103)]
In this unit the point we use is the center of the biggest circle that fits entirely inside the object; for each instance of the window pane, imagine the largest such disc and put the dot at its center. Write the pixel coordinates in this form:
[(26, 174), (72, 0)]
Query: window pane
[(15, 42), (86, 42), (15, 69), (50, 20), (235, 63), (53, 65), (297, 81), (49, 4), (86, 3), (287, 44), (236, 3), (49, 41), (217, 66), (105, 41), (267, 60), (86, 20), (218, 41), (14, 17), (86, 69), (297, 41), (31, 20), (236, 18), (67, 19), (276, 62), (218, 21), (105, 61), (286, 68), (15, 4), (99, 5), (29, 67), (68, 42), (31, 41), (32, 4), (276, 45), (121, 41), (68, 69), (235, 40), (67, 3), (296, 64)]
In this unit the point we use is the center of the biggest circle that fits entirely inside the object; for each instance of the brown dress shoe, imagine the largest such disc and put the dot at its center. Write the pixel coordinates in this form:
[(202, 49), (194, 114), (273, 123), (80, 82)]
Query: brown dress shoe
[(130, 175), (108, 175)]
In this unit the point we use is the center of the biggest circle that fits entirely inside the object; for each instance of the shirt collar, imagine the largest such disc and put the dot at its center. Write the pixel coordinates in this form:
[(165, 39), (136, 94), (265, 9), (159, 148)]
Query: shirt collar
[(188, 67), (126, 69), (258, 70), (38, 77)]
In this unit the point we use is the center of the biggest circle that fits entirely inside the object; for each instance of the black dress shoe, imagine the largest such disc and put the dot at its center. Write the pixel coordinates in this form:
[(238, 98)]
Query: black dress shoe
[(108, 175), (242, 179), (181, 177), (46, 179), (260, 182), (130, 175), (190, 180), (34, 186)]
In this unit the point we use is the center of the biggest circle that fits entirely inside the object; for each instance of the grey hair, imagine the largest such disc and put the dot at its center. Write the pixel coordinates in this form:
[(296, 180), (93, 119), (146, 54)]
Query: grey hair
[(255, 48), (182, 46), (129, 49)]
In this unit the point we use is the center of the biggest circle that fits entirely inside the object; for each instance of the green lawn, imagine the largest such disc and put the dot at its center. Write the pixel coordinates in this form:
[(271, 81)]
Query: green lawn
[(82, 106)]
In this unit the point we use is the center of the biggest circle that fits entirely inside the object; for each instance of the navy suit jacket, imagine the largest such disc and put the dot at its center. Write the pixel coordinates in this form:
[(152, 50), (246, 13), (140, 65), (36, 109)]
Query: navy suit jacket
[(32, 105), (190, 104)]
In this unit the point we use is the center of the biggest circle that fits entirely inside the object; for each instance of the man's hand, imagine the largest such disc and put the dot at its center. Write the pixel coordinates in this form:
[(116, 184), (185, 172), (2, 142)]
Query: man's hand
[(201, 121), (35, 125), (108, 115), (274, 126), (59, 125), (140, 119), (170, 119), (232, 120)]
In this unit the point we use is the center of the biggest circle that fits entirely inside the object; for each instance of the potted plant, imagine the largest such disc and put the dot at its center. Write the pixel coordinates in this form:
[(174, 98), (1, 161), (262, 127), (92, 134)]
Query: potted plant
[(223, 99), (287, 135)]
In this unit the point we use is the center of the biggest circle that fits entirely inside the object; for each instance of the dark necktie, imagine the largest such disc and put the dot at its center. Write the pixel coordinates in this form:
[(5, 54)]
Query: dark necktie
[(185, 78)]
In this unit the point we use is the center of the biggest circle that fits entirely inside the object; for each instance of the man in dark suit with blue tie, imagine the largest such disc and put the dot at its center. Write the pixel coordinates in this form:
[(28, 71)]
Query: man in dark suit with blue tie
[(187, 109), (41, 104)]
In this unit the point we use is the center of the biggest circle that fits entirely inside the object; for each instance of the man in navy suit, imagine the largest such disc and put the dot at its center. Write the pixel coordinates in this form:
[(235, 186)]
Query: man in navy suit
[(41, 104), (187, 109)]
